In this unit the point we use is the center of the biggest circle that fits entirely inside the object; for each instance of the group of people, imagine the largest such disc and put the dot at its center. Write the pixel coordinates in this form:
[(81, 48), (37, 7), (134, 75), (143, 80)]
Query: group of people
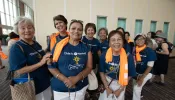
[(61, 70)]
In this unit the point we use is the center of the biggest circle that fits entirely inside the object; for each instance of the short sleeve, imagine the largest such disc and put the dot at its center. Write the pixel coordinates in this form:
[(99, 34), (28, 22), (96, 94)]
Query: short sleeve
[(17, 58), (151, 55), (102, 63), (131, 66)]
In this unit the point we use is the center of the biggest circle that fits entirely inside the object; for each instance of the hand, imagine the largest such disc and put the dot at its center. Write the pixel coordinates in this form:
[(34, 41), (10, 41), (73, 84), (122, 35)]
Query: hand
[(45, 58), (73, 80), (140, 81), (67, 82), (117, 92), (109, 91)]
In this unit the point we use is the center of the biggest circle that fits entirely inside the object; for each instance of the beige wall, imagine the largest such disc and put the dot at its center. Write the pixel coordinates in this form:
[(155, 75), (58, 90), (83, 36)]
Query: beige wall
[(88, 10)]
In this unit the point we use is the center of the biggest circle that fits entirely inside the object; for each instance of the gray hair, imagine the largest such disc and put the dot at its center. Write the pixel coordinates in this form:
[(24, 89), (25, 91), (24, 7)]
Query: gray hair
[(22, 19)]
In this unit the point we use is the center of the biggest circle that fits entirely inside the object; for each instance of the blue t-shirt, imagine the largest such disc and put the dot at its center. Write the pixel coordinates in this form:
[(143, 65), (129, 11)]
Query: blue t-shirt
[(104, 46), (112, 68), (127, 48), (58, 38), (94, 46), (71, 62), (146, 55), (18, 59)]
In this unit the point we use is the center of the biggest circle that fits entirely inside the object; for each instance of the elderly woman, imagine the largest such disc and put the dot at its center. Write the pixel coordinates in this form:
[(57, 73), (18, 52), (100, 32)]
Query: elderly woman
[(72, 62), (103, 33), (161, 65), (93, 43), (27, 56), (126, 45), (145, 58), (116, 67), (60, 23)]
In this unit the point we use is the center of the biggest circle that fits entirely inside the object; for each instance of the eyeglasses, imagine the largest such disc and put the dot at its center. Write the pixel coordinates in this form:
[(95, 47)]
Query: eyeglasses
[(74, 20), (140, 39)]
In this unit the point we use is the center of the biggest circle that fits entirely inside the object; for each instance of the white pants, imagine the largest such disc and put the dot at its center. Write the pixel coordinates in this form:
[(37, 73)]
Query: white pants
[(115, 86), (45, 95), (137, 90), (79, 94)]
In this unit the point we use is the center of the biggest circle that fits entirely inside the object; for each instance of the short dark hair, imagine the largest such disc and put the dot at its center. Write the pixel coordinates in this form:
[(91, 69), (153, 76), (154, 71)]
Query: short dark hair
[(153, 35), (13, 35), (138, 37), (113, 32), (90, 25), (105, 29), (127, 33), (121, 29), (122, 33), (59, 17), (76, 21)]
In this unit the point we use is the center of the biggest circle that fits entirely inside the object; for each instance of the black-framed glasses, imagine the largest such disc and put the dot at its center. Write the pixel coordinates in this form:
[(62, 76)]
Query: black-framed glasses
[(74, 20)]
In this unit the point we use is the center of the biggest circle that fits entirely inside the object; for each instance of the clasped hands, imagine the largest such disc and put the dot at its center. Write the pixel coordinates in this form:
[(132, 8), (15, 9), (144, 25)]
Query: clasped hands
[(70, 81)]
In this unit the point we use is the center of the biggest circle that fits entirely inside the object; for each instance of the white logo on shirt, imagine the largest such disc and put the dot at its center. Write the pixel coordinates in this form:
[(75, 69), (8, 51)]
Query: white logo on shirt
[(74, 53), (34, 53), (75, 66)]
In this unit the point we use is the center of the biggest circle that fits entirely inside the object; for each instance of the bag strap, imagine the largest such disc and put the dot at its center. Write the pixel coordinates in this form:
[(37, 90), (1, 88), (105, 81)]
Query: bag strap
[(26, 64), (32, 47), (69, 93)]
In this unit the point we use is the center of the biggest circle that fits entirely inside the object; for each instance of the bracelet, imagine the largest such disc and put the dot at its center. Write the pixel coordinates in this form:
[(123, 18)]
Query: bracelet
[(57, 75)]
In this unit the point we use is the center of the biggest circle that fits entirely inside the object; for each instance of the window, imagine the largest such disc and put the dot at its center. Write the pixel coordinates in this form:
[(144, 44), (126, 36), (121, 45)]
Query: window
[(153, 26), (165, 28), (122, 23), (138, 26), (101, 22), (9, 10)]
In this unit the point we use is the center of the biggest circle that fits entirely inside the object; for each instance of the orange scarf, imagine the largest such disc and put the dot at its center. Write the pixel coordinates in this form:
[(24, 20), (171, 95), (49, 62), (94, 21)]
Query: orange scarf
[(15, 39), (123, 73), (129, 40), (3, 55), (138, 49), (53, 39), (58, 48)]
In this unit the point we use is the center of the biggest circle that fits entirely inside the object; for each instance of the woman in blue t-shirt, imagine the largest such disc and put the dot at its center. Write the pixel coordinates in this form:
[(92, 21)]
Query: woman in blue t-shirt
[(27, 56), (72, 62), (94, 45), (103, 33), (145, 58), (126, 45), (116, 67)]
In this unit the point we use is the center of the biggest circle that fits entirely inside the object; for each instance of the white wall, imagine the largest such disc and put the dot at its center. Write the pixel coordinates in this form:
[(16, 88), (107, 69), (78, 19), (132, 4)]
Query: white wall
[(88, 10)]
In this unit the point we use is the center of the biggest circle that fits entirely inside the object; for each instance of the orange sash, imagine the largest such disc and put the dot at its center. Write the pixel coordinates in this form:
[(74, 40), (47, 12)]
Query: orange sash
[(3, 55), (58, 48), (53, 39), (129, 40), (123, 75), (138, 49)]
